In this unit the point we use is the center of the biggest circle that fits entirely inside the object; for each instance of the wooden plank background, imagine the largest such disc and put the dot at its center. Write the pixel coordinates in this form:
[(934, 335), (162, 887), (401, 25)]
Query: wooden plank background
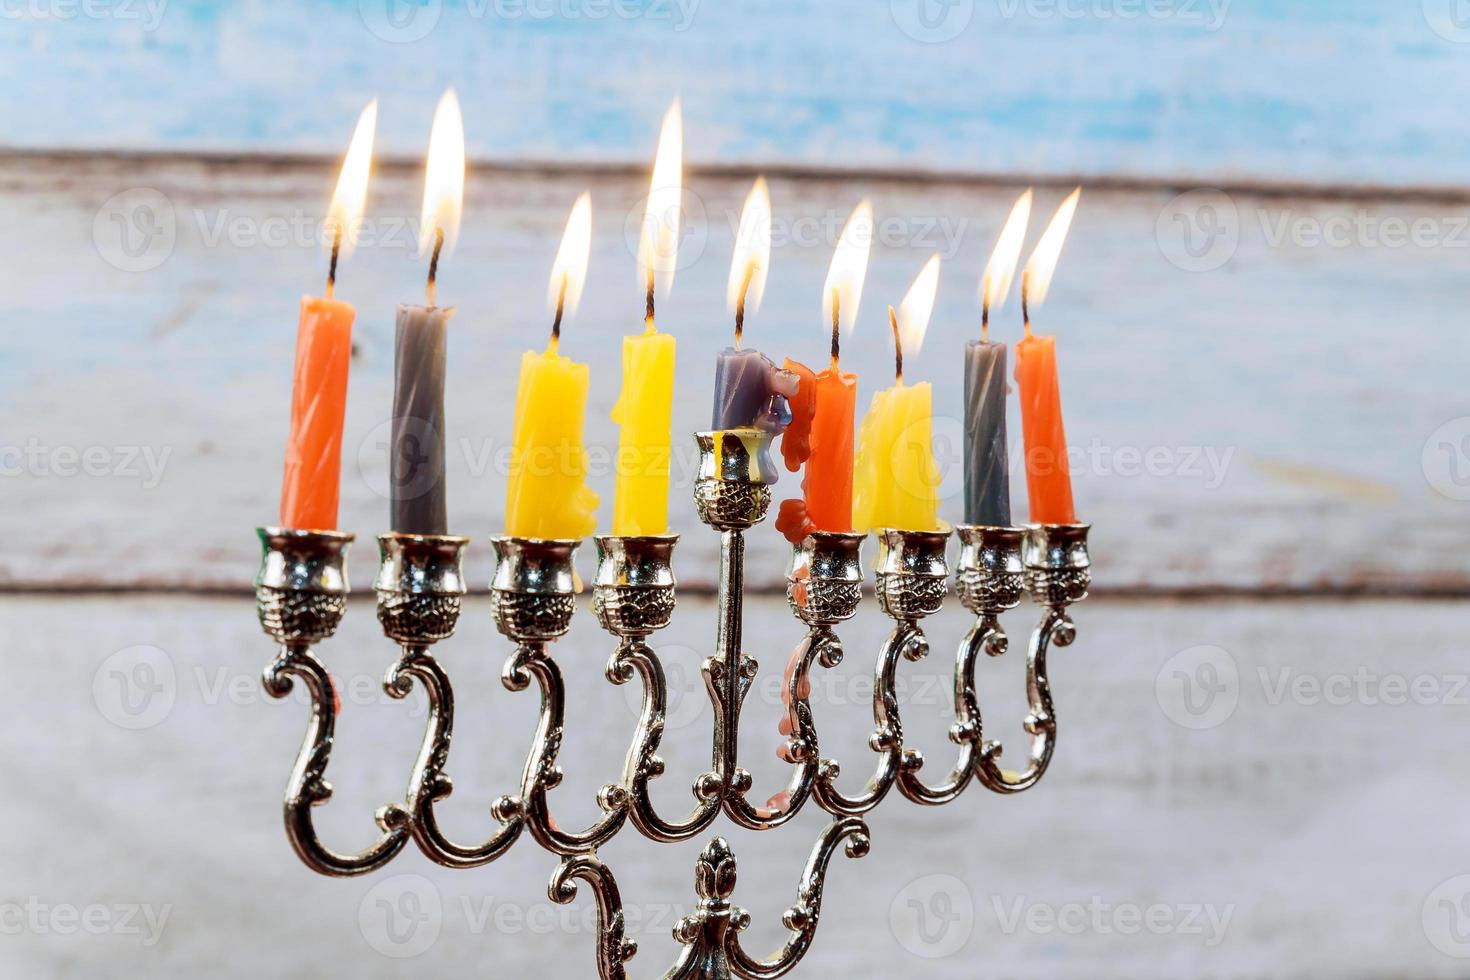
[(1321, 833), (1198, 90), (1266, 381), (1260, 426)]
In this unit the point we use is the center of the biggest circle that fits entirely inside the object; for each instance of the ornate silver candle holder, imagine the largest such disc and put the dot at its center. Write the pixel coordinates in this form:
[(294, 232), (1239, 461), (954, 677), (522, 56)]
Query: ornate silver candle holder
[(301, 598)]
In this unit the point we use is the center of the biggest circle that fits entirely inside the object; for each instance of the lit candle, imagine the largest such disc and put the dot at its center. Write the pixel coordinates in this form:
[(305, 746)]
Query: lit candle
[(1048, 474), (897, 478), (416, 449), (750, 391), (987, 463), (821, 432), (311, 486), (548, 496), (645, 408)]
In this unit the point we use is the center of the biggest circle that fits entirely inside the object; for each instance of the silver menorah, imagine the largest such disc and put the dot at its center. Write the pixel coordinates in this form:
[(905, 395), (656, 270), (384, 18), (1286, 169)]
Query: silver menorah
[(301, 596)]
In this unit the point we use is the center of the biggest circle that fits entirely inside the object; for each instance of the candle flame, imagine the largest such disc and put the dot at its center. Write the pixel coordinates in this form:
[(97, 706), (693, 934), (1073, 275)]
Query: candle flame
[(752, 259), (344, 215), (569, 271), (849, 269), (918, 306), (658, 245), (443, 176), (1000, 272), (1043, 264)]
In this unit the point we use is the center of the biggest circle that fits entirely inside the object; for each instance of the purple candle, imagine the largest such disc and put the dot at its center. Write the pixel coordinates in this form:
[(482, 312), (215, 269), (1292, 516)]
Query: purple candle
[(751, 392)]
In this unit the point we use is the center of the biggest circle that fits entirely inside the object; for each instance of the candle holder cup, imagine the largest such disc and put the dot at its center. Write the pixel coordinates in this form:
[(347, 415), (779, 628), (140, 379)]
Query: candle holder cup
[(732, 490), (420, 586), (301, 595), (535, 587), (633, 594), (913, 576), (301, 588), (825, 583), (990, 576)]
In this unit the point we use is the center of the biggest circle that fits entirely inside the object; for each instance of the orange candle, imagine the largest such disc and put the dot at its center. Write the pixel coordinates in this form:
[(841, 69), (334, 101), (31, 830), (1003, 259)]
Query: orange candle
[(311, 487), (1048, 473), (821, 436), (821, 431)]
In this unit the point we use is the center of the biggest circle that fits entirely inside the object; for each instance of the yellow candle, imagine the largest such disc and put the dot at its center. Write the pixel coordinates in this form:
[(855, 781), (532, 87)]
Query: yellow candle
[(548, 496), (645, 411), (645, 408), (896, 479)]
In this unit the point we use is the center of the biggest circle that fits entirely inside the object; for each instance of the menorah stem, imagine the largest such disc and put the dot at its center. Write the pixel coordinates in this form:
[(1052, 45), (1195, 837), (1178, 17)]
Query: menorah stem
[(727, 644)]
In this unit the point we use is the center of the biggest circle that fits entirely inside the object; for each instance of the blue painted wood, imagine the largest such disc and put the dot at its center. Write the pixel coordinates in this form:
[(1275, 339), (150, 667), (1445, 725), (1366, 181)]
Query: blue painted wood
[(1294, 418), (1211, 90)]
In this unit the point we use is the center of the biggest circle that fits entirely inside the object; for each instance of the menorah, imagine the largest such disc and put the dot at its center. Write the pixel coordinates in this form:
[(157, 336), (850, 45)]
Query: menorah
[(301, 596)]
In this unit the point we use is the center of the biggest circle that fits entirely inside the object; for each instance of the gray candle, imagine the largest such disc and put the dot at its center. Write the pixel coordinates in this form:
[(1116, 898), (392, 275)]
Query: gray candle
[(987, 466), (751, 392), (416, 452)]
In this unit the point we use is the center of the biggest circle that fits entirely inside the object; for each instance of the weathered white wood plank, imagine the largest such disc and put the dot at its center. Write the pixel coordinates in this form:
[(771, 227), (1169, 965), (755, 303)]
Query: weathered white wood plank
[(1321, 828), (1283, 400), (1327, 90)]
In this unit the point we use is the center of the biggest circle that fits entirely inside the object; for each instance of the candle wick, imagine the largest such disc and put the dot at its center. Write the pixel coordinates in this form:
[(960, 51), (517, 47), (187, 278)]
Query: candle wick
[(740, 305), (561, 302), (1026, 301), (332, 268), (432, 290), (897, 346), (836, 327), (985, 319), (648, 321)]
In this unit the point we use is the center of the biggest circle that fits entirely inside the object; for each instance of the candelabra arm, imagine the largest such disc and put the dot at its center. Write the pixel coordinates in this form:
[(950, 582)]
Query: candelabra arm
[(430, 783), (1057, 573), (912, 583), (1041, 723), (906, 641), (801, 918), (799, 726), (613, 946), (644, 764), (308, 786), (542, 774), (965, 732)]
